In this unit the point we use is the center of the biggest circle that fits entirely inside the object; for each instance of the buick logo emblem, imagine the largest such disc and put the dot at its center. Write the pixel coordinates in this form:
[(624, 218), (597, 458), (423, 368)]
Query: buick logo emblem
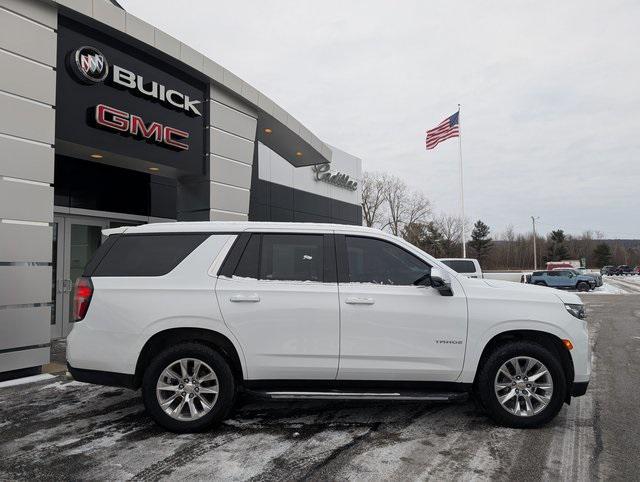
[(89, 64)]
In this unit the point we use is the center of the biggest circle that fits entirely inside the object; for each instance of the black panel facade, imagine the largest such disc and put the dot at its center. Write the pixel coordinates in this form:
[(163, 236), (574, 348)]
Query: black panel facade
[(91, 185), (171, 115), (278, 203)]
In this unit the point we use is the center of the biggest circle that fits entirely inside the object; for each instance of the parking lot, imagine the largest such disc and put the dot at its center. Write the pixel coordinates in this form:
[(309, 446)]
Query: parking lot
[(63, 429)]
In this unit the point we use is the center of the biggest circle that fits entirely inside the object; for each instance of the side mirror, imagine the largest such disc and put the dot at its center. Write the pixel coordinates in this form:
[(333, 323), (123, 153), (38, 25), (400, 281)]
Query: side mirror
[(441, 281)]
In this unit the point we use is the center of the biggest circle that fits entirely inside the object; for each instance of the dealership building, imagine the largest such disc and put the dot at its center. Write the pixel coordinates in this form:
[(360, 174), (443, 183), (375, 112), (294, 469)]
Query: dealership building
[(106, 121)]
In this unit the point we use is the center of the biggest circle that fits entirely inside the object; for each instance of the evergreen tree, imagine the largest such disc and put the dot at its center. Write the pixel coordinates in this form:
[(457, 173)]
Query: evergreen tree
[(480, 241), (602, 254), (556, 248)]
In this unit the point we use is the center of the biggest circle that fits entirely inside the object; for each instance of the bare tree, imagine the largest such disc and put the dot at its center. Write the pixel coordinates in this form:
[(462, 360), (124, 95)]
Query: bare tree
[(373, 197), (396, 197), (450, 228), (403, 206), (418, 208)]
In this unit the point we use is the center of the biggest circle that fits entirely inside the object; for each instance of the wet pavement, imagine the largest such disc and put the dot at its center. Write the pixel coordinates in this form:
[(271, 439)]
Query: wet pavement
[(61, 429)]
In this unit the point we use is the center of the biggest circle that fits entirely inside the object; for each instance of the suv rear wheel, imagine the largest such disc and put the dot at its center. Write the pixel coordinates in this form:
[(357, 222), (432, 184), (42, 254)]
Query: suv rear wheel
[(522, 385), (188, 388)]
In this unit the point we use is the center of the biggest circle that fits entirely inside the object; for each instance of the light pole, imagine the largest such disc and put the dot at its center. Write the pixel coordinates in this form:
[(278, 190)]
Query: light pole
[(535, 254)]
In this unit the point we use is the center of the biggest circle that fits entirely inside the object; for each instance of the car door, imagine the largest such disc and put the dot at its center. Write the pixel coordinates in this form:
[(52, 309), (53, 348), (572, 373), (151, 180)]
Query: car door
[(280, 300), (553, 279), (565, 279), (392, 329)]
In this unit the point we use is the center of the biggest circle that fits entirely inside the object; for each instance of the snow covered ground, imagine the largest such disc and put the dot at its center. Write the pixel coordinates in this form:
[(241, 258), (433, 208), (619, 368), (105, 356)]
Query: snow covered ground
[(618, 285)]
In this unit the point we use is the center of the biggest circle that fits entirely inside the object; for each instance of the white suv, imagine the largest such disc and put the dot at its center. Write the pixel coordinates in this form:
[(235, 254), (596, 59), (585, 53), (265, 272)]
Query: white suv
[(195, 312)]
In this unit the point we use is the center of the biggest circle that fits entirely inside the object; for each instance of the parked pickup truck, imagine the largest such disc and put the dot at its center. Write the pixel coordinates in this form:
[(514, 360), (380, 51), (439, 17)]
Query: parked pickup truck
[(466, 266), (583, 271), (563, 279)]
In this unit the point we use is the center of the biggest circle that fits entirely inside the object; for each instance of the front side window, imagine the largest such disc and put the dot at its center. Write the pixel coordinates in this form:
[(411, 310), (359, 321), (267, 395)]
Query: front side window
[(377, 261)]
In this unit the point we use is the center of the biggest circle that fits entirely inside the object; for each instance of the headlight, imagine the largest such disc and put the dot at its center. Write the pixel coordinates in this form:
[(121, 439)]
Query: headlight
[(576, 310)]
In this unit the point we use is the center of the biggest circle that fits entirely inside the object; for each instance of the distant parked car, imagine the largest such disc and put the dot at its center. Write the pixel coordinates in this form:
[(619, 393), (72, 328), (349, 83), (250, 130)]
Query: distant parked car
[(563, 279), (624, 269), (466, 266), (608, 270), (637, 270), (583, 271)]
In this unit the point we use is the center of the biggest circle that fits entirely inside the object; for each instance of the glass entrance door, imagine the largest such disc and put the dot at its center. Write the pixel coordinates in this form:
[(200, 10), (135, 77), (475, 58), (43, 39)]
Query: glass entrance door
[(75, 239)]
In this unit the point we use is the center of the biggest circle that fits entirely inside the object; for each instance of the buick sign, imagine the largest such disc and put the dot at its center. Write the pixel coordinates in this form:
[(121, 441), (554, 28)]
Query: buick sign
[(89, 65)]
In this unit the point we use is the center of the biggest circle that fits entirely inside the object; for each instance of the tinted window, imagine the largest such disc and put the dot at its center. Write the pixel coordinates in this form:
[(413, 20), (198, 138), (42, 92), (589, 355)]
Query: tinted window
[(248, 265), (292, 257), (461, 266), (147, 254), (377, 261)]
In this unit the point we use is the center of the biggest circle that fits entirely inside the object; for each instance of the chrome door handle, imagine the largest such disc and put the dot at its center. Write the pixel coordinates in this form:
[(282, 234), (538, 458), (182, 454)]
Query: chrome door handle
[(360, 301), (249, 298)]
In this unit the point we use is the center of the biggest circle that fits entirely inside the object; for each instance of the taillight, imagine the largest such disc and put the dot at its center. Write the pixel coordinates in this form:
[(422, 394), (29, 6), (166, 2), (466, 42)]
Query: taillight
[(82, 293)]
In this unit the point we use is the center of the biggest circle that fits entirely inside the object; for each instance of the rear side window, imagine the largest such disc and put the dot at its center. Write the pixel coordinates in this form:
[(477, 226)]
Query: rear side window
[(292, 257), (147, 254), (461, 266), (250, 259)]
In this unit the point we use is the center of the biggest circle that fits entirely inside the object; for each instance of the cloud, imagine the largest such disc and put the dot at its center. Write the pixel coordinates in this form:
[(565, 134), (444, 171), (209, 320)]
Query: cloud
[(551, 105)]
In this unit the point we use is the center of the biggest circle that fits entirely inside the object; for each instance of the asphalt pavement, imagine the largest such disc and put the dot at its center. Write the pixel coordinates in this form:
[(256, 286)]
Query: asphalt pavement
[(61, 429)]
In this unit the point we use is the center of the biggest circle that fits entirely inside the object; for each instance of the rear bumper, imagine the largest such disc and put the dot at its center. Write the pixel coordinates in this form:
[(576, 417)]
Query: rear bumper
[(99, 377), (579, 389)]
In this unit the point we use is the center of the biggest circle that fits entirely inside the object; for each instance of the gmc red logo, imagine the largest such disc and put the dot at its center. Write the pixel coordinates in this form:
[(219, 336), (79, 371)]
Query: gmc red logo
[(121, 121)]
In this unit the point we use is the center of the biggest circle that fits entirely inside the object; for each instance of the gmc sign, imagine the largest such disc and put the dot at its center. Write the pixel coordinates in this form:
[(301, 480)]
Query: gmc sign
[(121, 121)]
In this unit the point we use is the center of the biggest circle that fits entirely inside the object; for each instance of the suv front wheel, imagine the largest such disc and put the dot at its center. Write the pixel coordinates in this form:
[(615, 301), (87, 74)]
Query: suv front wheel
[(188, 388), (522, 385)]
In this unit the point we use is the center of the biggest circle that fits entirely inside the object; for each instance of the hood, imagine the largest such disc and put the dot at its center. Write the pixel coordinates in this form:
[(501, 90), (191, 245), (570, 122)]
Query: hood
[(529, 291)]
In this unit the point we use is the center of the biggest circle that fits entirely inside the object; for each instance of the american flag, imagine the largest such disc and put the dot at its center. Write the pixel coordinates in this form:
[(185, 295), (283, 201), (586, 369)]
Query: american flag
[(447, 129)]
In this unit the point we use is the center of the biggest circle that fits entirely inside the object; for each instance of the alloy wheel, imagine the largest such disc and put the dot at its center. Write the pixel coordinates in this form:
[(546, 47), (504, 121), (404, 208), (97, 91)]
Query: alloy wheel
[(187, 389), (523, 386)]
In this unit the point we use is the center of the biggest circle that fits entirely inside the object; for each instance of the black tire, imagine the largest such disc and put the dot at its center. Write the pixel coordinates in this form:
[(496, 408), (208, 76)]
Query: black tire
[(540, 283), (226, 387), (583, 286), (487, 376)]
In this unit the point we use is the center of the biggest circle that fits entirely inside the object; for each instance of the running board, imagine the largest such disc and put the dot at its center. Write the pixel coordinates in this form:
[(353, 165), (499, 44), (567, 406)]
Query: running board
[(363, 395)]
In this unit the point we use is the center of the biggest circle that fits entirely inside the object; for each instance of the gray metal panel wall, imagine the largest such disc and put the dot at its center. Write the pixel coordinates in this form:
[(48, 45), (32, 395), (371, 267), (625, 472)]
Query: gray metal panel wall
[(28, 42), (232, 134)]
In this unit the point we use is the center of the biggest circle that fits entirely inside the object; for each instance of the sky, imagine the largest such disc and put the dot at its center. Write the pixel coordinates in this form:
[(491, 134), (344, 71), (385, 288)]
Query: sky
[(550, 94)]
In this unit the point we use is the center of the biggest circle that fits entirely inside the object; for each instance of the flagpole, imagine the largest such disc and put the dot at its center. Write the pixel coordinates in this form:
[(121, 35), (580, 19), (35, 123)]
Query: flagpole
[(464, 244)]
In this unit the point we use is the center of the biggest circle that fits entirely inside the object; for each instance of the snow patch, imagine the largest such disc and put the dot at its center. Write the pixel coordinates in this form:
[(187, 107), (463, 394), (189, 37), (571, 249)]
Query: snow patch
[(25, 380)]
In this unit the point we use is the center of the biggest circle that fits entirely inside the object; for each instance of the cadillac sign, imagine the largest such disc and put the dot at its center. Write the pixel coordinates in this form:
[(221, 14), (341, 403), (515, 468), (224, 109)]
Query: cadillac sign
[(323, 172)]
